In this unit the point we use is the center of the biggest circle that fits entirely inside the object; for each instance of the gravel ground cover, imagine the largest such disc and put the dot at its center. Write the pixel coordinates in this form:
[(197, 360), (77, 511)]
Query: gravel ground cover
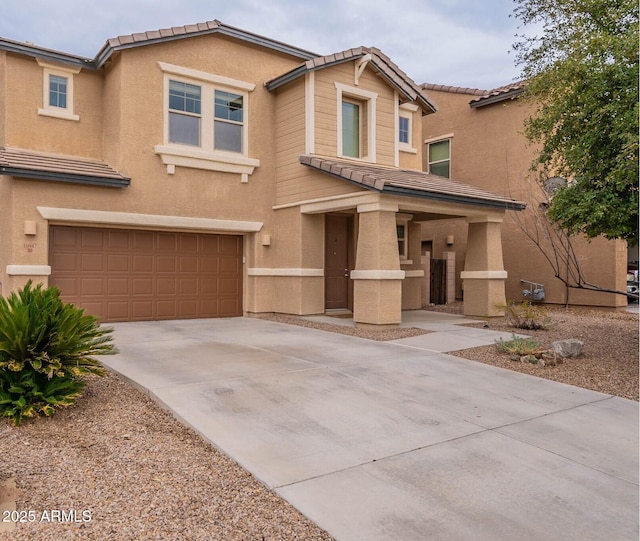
[(122, 468), (609, 361)]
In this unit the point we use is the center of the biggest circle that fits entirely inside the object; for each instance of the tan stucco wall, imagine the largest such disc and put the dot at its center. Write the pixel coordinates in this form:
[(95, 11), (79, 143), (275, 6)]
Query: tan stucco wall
[(489, 150)]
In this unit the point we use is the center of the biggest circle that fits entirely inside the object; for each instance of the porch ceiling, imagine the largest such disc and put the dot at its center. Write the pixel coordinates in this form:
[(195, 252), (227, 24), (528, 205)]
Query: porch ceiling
[(410, 183)]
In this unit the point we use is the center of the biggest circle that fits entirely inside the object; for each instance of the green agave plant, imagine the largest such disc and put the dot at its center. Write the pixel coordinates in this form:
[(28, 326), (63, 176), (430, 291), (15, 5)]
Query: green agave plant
[(46, 346)]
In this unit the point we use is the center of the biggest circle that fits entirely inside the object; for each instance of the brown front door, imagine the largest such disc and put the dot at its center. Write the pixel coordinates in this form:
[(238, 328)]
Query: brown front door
[(338, 261)]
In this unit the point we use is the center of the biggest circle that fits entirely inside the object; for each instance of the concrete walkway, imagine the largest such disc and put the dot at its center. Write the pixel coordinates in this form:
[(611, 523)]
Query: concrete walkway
[(397, 440)]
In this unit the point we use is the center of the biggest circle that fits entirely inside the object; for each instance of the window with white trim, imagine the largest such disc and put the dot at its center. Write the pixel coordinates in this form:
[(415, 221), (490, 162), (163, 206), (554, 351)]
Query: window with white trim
[(440, 158), (57, 91), (402, 231), (205, 122), (405, 127), (356, 123)]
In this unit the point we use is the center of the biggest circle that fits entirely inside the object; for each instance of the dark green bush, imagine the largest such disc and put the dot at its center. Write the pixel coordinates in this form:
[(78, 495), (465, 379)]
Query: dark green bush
[(46, 346)]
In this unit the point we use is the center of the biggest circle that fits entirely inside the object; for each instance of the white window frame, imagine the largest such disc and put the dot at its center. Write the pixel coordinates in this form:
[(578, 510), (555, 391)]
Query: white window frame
[(351, 93), (205, 156), (53, 70), (406, 110), (403, 220)]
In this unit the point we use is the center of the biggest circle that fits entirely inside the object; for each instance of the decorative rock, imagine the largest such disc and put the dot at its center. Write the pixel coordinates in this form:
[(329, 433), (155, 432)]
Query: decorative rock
[(567, 348), (514, 358)]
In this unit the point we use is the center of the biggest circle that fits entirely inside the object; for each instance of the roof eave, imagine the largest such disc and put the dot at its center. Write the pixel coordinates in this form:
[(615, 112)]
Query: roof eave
[(481, 102), (459, 199), (34, 51), (91, 180)]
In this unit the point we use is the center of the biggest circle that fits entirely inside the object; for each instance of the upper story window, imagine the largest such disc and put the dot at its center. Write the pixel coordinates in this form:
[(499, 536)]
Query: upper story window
[(403, 130), (229, 114), (57, 91), (356, 123), (405, 127), (184, 113), (351, 129), (205, 122), (440, 158)]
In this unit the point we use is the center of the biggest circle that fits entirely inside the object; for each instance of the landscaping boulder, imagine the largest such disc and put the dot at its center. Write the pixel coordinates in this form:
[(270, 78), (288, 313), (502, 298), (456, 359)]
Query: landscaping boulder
[(567, 348)]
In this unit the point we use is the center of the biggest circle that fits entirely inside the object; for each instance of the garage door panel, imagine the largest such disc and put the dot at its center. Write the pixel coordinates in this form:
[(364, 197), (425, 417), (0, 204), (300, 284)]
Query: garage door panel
[(142, 240), (118, 263), (166, 264), (65, 261), (166, 286), (118, 286), (118, 239), (91, 287), (142, 310), (123, 275), (142, 263), (142, 286), (92, 262), (92, 238)]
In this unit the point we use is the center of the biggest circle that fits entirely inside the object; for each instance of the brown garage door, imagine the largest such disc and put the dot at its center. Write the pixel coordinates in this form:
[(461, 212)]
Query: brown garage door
[(124, 275)]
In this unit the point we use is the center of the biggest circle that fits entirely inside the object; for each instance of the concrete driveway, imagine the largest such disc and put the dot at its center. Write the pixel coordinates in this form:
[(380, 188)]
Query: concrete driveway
[(397, 440)]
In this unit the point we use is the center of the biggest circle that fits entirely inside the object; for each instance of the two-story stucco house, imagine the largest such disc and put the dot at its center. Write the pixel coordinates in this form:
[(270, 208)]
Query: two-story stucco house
[(477, 137), (205, 171)]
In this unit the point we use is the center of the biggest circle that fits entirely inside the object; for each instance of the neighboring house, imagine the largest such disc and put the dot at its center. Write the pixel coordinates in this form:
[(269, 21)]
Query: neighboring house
[(205, 171), (477, 137)]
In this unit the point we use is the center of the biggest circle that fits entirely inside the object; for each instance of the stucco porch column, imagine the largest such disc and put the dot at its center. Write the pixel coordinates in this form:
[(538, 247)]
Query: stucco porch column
[(377, 292), (484, 275)]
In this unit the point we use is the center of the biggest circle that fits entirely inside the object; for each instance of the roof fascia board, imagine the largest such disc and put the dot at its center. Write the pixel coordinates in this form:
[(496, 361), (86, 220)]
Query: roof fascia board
[(107, 50), (35, 174), (447, 198), (47, 54)]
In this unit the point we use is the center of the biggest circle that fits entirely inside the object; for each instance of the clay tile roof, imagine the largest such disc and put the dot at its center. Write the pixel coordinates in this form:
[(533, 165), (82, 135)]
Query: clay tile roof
[(189, 30), (378, 60), (22, 163), (454, 89), (501, 93), (410, 183)]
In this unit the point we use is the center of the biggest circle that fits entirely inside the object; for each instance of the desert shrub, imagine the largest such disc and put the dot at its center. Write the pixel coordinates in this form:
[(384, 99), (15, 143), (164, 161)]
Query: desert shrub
[(525, 315), (46, 346), (519, 346)]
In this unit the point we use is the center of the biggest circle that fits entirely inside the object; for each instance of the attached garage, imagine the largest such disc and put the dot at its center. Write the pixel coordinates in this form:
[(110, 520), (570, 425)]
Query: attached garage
[(135, 275)]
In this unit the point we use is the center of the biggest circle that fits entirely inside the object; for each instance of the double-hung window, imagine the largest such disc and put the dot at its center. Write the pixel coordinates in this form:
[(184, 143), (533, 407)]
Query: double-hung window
[(185, 113), (205, 122), (440, 158), (228, 122)]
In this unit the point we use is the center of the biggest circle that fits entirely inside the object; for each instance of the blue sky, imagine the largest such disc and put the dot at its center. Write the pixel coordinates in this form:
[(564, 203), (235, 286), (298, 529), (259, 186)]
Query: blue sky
[(453, 42)]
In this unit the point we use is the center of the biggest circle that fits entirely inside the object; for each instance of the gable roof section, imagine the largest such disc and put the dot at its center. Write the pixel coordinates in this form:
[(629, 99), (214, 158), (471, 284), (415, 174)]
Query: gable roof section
[(410, 183), (21, 163), (140, 39), (180, 32), (377, 59)]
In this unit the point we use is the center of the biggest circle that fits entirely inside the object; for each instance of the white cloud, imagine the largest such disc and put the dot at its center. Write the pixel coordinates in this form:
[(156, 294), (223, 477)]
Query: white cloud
[(457, 42)]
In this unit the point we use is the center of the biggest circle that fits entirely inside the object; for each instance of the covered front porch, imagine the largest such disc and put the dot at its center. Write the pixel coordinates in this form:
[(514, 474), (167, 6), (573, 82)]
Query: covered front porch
[(383, 273)]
